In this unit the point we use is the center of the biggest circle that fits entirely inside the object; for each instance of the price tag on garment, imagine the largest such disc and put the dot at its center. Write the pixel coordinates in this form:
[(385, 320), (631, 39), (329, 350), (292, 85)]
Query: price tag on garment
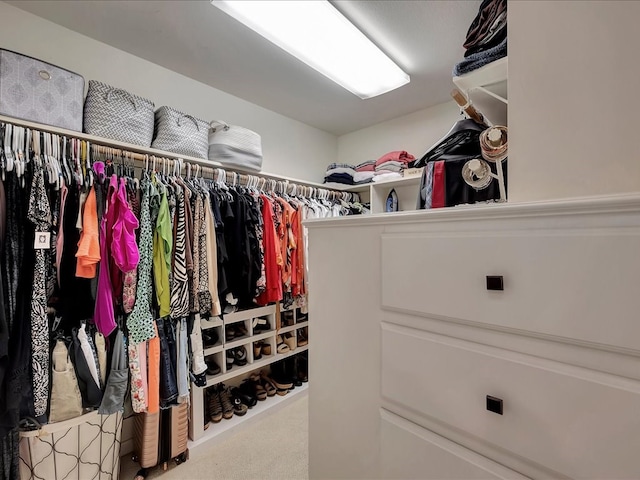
[(42, 241)]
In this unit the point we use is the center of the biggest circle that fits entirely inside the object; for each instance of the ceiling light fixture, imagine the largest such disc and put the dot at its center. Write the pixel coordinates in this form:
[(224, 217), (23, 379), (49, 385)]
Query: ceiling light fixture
[(319, 35)]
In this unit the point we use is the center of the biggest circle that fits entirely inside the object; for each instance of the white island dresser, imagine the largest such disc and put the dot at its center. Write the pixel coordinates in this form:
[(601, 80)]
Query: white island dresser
[(496, 341)]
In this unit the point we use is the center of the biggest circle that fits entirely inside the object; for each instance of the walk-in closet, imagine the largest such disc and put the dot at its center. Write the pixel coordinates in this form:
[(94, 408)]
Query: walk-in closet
[(329, 239)]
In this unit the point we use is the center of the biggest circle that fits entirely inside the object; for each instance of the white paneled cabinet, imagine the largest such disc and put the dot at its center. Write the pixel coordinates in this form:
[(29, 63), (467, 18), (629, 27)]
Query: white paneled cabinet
[(401, 391)]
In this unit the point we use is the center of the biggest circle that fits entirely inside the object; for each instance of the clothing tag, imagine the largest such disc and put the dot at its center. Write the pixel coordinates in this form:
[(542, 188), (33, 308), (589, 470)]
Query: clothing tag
[(42, 241)]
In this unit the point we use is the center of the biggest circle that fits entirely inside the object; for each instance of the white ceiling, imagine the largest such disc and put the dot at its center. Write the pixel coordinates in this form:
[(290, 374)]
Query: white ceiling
[(197, 40)]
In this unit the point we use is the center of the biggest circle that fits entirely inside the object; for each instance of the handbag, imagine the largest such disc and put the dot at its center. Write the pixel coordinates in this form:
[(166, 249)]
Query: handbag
[(65, 400), (235, 146), (116, 114), (180, 133)]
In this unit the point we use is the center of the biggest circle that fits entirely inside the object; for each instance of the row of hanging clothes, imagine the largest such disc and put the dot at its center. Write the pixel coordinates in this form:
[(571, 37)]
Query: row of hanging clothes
[(110, 258)]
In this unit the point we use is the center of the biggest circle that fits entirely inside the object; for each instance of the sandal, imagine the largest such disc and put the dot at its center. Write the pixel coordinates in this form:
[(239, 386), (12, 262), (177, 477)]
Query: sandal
[(302, 338), (257, 350), (282, 347), (282, 388), (268, 387), (290, 340)]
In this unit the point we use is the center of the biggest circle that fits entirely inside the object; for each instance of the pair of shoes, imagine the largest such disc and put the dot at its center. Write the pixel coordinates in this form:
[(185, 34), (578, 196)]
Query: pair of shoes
[(245, 394), (212, 367), (303, 317), (290, 340), (286, 318), (257, 350), (302, 337), (261, 348), (237, 330), (223, 404), (277, 381), (237, 356), (253, 387), (209, 337), (285, 372), (303, 368), (261, 324), (214, 404), (282, 346)]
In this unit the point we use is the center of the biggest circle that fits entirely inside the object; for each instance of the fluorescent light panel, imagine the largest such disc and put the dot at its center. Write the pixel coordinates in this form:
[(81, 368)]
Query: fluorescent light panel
[(319, 35)]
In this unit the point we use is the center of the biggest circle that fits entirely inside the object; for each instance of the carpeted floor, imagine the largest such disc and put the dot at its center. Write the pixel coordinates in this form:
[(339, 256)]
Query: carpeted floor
[(274, 447)]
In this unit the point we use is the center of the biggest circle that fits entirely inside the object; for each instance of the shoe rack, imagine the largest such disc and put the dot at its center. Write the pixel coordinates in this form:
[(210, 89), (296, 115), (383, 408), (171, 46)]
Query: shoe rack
[(245, 329)]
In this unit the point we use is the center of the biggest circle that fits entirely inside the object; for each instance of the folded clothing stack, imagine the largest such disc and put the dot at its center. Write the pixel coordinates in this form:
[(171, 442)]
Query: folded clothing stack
[(392, 165), (486, 39), (346, 174), (368, 166)]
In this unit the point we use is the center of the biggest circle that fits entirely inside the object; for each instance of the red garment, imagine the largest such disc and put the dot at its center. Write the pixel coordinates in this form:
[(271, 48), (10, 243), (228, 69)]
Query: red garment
[(287, 243), (272, 257), (397, 156), (438, 195)]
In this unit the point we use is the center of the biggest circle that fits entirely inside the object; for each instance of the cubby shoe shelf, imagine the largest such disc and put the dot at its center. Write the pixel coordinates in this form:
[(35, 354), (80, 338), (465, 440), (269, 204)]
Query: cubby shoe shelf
[(293, 327), (263, 362), (219, 431)]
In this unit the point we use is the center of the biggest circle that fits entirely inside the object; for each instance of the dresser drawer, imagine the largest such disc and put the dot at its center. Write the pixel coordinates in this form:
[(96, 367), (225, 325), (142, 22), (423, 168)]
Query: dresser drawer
[(577, 422), (408, 451), (563, 284)]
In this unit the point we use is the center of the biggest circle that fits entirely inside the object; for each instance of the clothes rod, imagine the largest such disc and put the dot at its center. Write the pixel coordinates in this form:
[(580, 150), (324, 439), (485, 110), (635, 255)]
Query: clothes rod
[(141, 152)]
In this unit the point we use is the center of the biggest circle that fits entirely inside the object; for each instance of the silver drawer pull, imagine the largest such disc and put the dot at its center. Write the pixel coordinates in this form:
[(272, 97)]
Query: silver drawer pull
[(495, 282), (44, 75)]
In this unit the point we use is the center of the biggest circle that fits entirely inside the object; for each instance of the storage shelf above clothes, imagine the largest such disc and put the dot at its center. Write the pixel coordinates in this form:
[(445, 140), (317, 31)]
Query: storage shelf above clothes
[(492, 77), (486, 89), (155, 152)]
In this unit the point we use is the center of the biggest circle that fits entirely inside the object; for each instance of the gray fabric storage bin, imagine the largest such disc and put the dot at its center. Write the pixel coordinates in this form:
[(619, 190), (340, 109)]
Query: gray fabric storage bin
[(37, 91), (114, 113), (180, 133)]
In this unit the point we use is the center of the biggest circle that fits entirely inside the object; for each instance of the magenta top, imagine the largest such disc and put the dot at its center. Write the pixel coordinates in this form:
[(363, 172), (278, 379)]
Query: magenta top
[(124, 248)]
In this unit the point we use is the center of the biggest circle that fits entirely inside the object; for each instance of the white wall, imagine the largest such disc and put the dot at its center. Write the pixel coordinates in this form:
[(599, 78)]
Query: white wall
[(414, 133), (573, 99), (290, 147)]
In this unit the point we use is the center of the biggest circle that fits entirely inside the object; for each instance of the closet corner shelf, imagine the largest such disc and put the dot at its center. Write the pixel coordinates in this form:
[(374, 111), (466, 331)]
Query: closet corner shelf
[(150, 151), (491, 74)]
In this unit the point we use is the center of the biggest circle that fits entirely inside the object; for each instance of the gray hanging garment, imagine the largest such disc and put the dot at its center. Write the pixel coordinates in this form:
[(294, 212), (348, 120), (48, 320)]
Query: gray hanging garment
[(116, 389)]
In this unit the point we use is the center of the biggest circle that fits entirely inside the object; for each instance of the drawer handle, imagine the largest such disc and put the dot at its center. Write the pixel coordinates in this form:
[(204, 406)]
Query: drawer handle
[(495, 282), (494, 404)]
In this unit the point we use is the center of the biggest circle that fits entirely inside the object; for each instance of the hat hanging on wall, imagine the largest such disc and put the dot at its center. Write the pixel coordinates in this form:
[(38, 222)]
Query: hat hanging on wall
[(477, 174), (392, 201)]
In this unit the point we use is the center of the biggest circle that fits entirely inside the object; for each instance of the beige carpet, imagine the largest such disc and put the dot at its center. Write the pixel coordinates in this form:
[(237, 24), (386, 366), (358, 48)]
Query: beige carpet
[(273, 447)]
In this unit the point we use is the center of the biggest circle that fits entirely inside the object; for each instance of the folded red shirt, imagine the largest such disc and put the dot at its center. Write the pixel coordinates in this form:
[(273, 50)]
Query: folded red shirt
[(399, 156)]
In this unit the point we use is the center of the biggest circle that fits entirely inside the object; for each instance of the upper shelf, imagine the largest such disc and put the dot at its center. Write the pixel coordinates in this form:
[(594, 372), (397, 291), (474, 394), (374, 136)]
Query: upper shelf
[(491, 79)]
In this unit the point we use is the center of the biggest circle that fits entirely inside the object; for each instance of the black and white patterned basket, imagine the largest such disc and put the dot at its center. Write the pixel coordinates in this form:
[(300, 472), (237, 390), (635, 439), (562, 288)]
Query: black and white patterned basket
[(114, 113), (180, 133)]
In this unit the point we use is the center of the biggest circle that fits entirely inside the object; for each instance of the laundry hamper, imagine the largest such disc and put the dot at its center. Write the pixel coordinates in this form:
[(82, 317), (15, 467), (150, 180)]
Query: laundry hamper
[(84, 448)]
